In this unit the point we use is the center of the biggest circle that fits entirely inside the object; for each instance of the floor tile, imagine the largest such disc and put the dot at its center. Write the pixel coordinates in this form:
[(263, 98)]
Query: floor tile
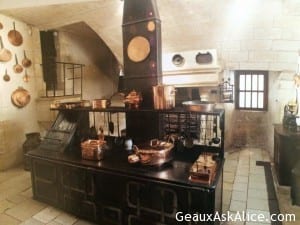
[(241, 179), (258, 194), (259, 204), (54, 223), (257, 178), (239, 195), (229, 176), (27, 193), (82, 222), (26, 209), (4, 205), (16, 198), (258, 185), (46, 215), (236, 206), (65, 219), (227, 197), (32, 221), (240, 186), (227, 186), (8, 220)]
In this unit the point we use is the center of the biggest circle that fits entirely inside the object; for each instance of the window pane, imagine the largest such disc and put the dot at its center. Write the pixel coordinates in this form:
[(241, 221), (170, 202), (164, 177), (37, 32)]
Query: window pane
[(248, 100), (260, 100), (248, 82), (242, 99), (254, 82), (242, 82), (260, 82), (254, 100)]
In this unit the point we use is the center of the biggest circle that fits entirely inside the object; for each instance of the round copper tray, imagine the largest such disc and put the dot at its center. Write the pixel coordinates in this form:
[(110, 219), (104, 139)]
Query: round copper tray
[(138, 49)]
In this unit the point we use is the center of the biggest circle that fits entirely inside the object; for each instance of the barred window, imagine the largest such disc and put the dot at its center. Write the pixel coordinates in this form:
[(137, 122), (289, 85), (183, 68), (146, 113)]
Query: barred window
[(251, 90)]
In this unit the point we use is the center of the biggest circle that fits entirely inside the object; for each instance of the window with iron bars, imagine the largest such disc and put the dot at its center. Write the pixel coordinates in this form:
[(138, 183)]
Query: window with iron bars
[(251, 88)]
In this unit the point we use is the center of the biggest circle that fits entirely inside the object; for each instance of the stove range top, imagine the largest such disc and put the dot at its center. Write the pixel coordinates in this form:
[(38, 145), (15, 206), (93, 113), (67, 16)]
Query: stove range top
[(204, 168)]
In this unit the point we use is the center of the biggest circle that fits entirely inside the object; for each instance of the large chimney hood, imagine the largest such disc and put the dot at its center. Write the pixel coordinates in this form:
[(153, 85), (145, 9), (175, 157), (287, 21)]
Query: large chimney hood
[(191, 68)]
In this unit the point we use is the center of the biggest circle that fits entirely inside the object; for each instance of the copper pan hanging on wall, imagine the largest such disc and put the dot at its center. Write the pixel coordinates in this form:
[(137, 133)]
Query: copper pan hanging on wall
[(5, 54), (17, 67), (20, 97), (15, 37), (26, 62)]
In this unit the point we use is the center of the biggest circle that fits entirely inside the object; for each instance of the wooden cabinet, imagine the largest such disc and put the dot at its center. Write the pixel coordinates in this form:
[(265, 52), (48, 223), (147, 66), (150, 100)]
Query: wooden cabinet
[(78, 192), (286, 153), (118, 195), (45, 181)]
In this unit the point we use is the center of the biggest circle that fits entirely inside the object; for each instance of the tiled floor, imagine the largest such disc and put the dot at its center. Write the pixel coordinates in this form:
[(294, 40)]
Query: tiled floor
[(244, 186)]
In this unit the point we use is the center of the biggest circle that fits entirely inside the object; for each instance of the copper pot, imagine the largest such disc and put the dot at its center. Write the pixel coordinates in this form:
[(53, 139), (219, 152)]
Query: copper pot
[(163, 96), (100, 103), (154, 153)]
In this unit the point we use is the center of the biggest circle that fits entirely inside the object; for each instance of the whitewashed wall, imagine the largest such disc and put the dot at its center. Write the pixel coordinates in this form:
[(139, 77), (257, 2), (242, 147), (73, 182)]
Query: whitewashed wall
[(16, 122)]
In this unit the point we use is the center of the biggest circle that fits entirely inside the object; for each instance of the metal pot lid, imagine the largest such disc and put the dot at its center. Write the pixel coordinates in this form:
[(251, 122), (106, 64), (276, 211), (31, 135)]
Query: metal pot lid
[(20, 97), (138, 49), (204, 58), (178, 60)]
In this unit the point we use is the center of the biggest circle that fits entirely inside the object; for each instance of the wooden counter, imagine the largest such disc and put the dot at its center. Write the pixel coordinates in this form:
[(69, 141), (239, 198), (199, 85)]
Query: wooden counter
[(112, 191)]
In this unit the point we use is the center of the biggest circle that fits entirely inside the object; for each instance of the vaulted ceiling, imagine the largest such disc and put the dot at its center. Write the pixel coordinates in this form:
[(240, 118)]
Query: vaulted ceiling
[(186, 24), (105, 18)]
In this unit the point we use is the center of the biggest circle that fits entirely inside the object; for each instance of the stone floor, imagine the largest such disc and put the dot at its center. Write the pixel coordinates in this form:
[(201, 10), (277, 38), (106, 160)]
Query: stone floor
[(244, 189)]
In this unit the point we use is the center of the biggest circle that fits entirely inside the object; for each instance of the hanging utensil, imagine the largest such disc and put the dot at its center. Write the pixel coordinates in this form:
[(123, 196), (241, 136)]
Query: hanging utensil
[(14, 36), (93, 131), (26, 77), (5, 54), (118, 124), (17, 67), (26, 62), (111, 125), (6, 77), (215, 139)]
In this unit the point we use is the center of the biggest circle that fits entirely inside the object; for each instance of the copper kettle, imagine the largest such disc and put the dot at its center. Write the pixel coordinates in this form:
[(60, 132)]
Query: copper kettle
[(163, 96)]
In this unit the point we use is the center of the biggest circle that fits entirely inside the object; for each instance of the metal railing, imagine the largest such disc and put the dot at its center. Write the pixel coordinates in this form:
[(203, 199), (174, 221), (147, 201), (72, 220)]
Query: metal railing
[(66, 80)]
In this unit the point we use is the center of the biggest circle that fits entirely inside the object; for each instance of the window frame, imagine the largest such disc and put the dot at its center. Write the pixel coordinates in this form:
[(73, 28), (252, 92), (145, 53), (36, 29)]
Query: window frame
[(237, 74)]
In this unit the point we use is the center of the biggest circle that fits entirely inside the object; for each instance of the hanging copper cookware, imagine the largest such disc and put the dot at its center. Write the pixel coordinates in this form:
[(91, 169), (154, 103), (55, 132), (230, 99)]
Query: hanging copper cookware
[(6, 77), (15, 37), (17, 67), (20, 97), (26, 62), (26, 77), (164, 96), (5, 54)]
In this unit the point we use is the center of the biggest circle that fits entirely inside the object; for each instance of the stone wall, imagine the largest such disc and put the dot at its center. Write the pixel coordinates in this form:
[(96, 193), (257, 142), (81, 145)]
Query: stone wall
[(16, 122)]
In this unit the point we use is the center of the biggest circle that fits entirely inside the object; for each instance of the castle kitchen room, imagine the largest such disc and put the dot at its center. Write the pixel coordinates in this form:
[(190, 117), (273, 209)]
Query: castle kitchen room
[(149, 112)]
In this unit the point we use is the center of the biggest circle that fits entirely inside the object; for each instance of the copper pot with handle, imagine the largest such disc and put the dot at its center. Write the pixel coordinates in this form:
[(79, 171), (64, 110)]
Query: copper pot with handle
[(163, 96), (154, 153)]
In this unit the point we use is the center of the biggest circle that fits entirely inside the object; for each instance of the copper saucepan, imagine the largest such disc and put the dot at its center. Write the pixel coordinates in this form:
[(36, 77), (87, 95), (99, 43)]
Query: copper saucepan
[(26, 62), (5, 54), (15, 37), (6, 77), (17, 67)]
